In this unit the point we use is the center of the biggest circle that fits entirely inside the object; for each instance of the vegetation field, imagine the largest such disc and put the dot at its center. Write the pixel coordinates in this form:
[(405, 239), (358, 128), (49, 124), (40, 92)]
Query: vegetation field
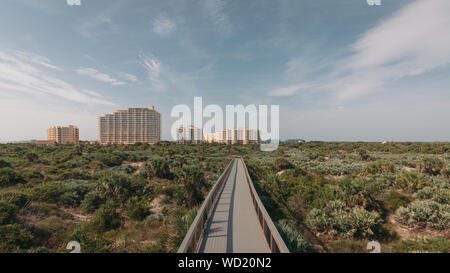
[(323, 197)]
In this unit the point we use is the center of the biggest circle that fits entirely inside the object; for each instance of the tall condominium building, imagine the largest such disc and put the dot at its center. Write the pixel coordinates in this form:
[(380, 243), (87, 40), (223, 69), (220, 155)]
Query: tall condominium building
[(189, 135), (130, 126), (234, 136), (63, 135)]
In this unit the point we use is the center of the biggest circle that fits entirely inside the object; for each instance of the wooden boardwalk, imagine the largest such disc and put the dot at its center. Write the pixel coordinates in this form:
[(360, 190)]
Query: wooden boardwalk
[(233, 226)]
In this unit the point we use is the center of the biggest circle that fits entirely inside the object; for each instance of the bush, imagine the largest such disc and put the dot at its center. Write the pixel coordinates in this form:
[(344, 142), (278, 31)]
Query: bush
[(8, 177), (193, 181), (31, 157), (157, 167), (113, 186), (423, 214), (433, 245), (14, 237), (32, 175), (107, 218), (381, 166), (347, 222), (7, 213), (17, 198), (4, 164), (137, 209), (283, 164), (294, 239), (431, 166), (91, 202), (394, 200), (46, 192), (410, 181)]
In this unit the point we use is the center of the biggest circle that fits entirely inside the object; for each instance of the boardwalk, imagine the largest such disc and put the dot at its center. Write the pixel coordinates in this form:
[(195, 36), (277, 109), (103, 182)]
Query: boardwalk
[(233, 226)]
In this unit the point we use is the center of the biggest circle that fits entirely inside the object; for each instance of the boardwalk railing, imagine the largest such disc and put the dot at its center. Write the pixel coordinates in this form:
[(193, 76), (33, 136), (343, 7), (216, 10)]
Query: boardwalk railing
[(195, 232), (271, 234)]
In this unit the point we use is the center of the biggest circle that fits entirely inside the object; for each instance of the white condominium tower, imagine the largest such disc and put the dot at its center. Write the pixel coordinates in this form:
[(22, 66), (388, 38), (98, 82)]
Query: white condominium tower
[(130, 126), (63, 135)]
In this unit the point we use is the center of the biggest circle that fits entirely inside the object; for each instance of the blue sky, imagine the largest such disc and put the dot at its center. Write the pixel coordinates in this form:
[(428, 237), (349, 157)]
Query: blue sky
[(340, 70)]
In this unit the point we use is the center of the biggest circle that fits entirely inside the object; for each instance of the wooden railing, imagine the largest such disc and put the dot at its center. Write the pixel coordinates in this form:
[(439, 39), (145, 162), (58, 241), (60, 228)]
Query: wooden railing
[(195, 232), (271, 234)]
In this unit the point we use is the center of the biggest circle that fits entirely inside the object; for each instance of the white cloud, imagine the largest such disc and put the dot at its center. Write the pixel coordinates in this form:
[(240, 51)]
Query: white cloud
[(153, 68), (400, 46), (21, 73), (99, 76), (413, 41), (129, 77), (162, 25), (289, 90)]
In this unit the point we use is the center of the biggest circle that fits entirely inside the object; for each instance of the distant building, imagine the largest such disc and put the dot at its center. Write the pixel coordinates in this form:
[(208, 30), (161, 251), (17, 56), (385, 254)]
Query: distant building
[(233, 136), (130, 126), (189, 135), (63, 135)]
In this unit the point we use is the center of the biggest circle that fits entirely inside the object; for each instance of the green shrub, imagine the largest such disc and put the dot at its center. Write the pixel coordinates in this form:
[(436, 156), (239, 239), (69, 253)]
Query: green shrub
[(282, 164), (410, 181), (113, 186), (431, 166), (4, 164), (46, 192), (157, 167), (8, 177), (381, 166), (433, 245), (17, 198), (293, 237), (107, 217), (347, 222), (31, 157), (91, 201), (137, 209), (32, 175), (348, 246), (423, 214), (394, 200), (7, 213), (14, 237)]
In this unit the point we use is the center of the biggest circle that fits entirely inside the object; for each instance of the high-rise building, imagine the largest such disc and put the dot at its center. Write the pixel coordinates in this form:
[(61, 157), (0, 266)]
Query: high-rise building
[(130, 126), (63, 135), (234, 136), (189, 135)]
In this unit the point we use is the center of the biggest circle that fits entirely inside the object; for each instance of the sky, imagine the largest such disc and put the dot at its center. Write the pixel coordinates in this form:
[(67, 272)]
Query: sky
[(339, 70)]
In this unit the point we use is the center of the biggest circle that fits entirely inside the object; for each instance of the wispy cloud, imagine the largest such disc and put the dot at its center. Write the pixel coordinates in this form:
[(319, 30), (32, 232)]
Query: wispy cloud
[(153, 67), (129, 77), (215, 11), (99, 76), (399, 47), (289, 90), (162, 25), (25, 73)]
